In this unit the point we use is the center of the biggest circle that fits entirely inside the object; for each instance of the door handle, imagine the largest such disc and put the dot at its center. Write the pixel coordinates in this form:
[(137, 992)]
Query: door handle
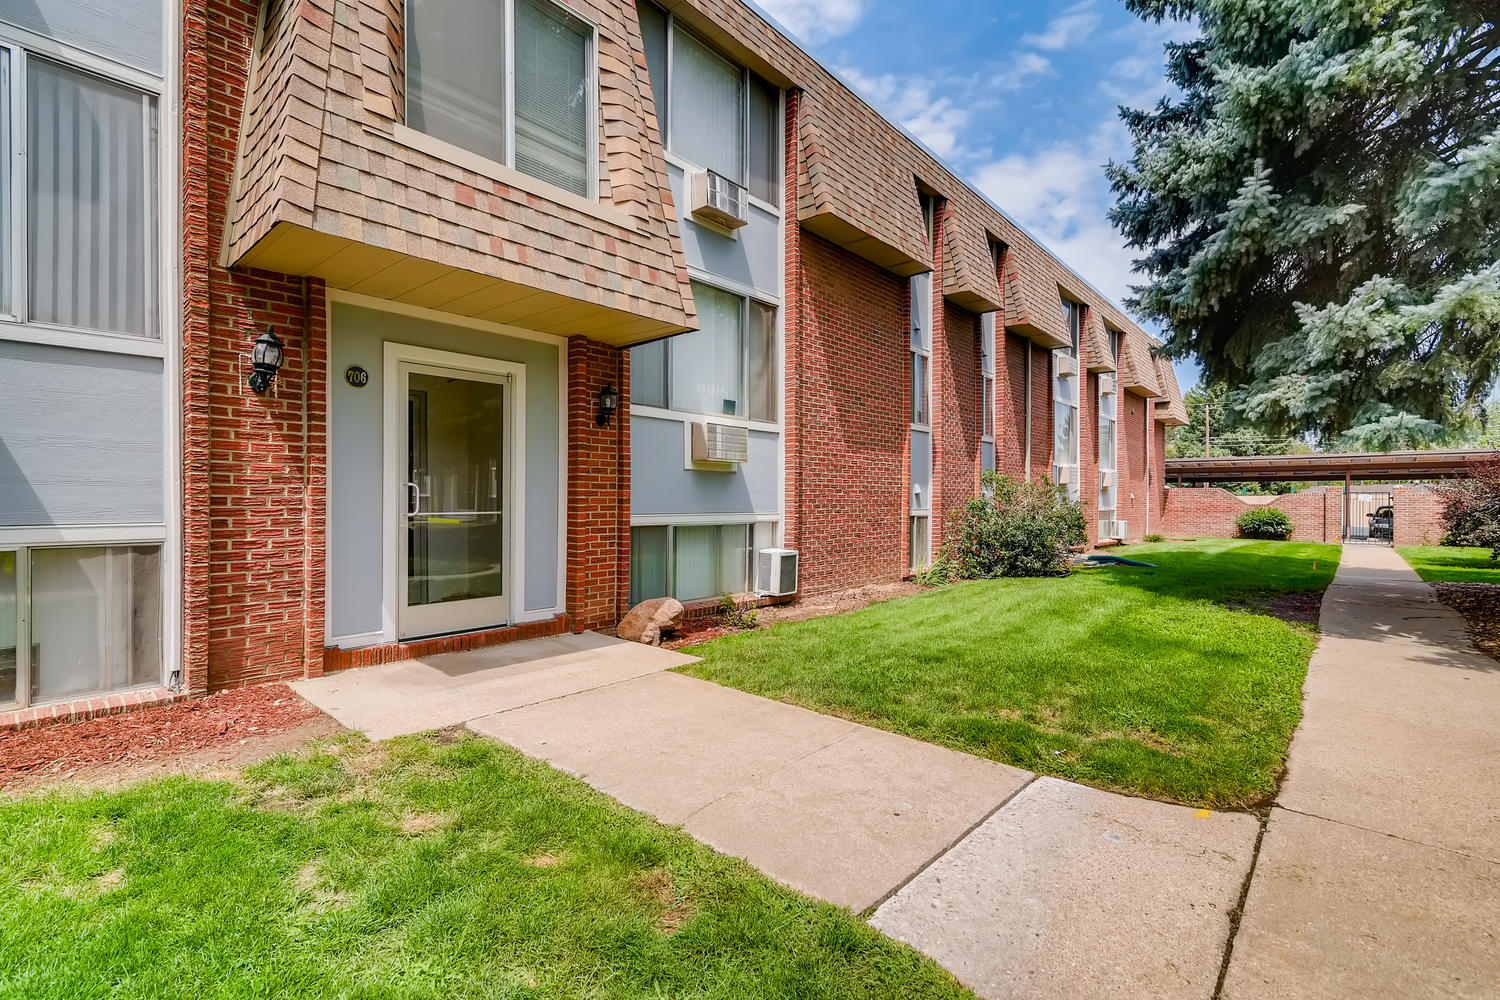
[(413, 500)]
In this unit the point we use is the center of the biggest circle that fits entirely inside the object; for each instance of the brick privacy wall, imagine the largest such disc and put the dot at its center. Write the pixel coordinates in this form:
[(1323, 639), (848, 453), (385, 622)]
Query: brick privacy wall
[(254, 477), (1210, 512), (849, 403), (1419, 515), (598, 523)]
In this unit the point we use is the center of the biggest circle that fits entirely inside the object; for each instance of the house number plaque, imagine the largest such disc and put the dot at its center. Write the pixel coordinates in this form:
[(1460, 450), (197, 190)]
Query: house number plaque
[(356, 376)]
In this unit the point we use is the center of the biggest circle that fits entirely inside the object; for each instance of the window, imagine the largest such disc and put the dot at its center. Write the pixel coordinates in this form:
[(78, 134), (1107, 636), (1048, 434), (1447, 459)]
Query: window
[(712, 112), (462, 75), (95, 621), (692, 562), (83, 254), (921, 324), (919, 542), (987, 327), (1065, 430), (727, 367), (1108, 448)]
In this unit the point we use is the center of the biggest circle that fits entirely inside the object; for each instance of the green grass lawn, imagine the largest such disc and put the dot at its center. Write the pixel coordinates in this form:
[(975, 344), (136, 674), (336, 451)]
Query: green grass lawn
[(1163, 682), (1450, 564), (421, 869)]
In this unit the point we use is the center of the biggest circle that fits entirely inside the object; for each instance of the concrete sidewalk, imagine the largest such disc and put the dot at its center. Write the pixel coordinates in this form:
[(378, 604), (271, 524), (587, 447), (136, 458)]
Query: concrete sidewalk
[(1379, 872)]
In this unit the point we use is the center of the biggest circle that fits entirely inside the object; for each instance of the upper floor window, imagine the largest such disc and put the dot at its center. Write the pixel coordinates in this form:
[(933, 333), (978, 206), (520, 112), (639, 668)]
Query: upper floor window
[(82, 253), (712, 112), (511, 80), (987, 336), (725, 368), (1065, 405)]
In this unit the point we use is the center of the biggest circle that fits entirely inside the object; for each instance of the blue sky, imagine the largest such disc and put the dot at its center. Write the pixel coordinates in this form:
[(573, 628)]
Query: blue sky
[(1017, 96)]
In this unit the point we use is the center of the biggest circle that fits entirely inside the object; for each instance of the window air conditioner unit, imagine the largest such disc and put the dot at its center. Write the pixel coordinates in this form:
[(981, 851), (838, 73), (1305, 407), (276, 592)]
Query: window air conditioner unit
[(1107, 384), (717, 200), (720, 443), (1064, 475), (776, 572), (1114, 529), (1067, 365), (1106, 478)]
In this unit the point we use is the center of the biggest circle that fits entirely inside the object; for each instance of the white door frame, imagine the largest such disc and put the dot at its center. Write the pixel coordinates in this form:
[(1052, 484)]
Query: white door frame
[(514, 457)]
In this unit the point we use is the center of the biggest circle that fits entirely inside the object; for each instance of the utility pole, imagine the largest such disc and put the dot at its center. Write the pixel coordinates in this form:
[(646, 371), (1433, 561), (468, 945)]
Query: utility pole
[(1208, 412)]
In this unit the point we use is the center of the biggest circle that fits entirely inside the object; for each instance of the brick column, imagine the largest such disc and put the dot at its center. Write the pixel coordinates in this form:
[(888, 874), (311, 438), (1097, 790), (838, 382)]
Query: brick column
[(598, 521), (793, 323)]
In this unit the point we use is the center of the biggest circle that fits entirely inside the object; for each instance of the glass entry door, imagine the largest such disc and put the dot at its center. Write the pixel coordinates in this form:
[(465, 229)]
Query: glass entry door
[(452, 528)]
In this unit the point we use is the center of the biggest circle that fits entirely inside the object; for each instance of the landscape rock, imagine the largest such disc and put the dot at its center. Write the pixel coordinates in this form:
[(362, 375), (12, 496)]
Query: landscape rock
[(649, 619)]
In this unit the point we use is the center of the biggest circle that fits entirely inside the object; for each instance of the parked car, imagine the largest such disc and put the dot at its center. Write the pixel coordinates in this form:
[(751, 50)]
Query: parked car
[(1383, 523)]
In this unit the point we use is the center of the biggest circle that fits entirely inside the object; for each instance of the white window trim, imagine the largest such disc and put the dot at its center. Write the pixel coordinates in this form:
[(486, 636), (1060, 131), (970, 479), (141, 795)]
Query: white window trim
[(746, 295), (591, 158), (19, 44), (1074, 350), (1114, 420), (685, 164)]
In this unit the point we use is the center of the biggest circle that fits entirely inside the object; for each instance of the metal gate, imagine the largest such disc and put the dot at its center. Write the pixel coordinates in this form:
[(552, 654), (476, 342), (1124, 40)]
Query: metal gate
[(1369, 517)]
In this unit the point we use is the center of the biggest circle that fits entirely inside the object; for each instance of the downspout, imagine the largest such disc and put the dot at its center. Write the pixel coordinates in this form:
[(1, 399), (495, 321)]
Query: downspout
[(1028, 409), (1150, 433)]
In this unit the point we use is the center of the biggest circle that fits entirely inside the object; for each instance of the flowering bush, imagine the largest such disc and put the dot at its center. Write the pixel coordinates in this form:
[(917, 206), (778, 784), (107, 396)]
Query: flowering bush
[(1471, 511)]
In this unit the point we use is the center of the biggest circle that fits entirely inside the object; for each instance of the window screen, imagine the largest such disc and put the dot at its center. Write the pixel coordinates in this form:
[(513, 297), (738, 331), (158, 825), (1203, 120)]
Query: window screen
[(648, 563), (455, 73), (552, 95), (708, 365), (765, 140), (91, 202), (96, 619), (648, 374), (763, 394), (707, 108)]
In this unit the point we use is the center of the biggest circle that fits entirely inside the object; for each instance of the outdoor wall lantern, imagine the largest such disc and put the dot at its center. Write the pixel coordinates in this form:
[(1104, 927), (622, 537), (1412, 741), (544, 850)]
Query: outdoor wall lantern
[(609, 402), (265, 361)]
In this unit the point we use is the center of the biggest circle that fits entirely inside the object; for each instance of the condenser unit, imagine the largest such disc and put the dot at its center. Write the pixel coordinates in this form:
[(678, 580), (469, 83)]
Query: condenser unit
[(776, 572), (721, 443), (1114, 529), (717, 200)]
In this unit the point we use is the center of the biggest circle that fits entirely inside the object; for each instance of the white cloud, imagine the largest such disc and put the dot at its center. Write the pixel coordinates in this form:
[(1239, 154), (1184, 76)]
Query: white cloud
[(937, 122), (1015, 71), (816, 20), (1061, 195), (1072, 27)]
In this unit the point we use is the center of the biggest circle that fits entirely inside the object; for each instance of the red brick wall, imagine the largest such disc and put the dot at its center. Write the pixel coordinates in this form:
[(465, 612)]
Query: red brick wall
[(1010, 393), (1419, 515), (254, 501), (1133, 494), (956, 411), (1210, 512), (598, 524), (848, 419)]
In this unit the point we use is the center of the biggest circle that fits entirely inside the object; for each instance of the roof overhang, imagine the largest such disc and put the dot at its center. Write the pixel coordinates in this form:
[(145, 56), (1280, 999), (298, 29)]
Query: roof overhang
[(359, 267), (1388, 466)]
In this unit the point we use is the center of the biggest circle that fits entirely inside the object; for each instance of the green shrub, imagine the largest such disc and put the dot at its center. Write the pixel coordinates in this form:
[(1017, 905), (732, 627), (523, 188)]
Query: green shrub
[(1471, 510), (1015, 528), (1152, 538), (1265, 522), (733, 614)]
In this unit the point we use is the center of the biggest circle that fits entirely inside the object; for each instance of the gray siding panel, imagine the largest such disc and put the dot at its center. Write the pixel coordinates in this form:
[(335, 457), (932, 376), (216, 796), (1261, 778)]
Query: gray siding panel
[(921, 468), (81, 437), (660, 485), (127, 31), (356, 484), (752, 256)]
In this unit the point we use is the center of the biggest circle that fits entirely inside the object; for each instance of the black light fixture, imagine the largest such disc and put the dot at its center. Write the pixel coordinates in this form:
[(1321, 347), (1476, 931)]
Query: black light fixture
[(609, 402), (265, 360)]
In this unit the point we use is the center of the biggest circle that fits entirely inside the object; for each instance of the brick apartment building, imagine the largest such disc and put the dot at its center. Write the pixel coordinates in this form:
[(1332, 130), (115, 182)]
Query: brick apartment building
[(597, 320)]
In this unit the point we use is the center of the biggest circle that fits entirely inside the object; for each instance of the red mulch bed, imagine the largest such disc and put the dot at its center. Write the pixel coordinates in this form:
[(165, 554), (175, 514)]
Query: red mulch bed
[(202, 724), (1479, 603)]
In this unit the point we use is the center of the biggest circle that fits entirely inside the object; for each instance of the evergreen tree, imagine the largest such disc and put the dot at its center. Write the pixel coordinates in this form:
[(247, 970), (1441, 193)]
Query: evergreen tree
[(1319, 210)]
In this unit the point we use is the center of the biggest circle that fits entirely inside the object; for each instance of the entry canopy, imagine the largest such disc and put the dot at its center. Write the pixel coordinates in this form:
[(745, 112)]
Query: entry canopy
[(1379, 466)]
